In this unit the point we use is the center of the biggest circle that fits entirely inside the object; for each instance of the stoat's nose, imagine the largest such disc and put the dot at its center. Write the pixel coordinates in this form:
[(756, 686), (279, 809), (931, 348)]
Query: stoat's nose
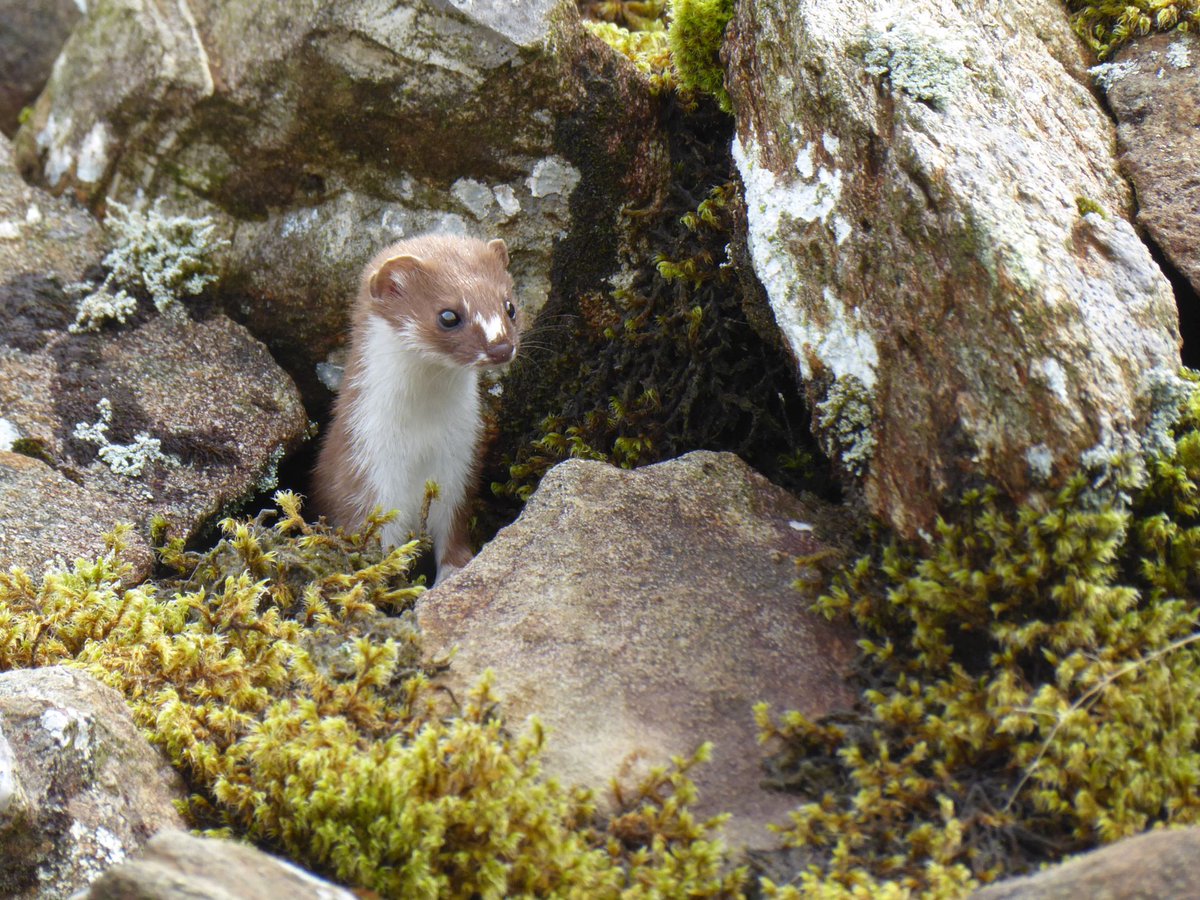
[(501, 352)]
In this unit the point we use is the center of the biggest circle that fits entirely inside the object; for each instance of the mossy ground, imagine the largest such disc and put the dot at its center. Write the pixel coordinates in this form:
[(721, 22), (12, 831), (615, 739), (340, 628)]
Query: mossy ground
[(297, 709), (1104, 25), (1032, 687)]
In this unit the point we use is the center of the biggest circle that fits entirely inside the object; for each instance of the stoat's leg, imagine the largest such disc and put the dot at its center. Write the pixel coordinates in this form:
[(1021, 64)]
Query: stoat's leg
[(453, 550)]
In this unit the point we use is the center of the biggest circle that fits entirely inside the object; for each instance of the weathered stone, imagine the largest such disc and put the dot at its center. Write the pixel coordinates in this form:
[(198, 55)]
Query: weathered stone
[(176, 865), (1153, 88), (315, 136), (80, 787), (916, 176), (638, 613), (1161, 865), (223, 411), (32, 34)]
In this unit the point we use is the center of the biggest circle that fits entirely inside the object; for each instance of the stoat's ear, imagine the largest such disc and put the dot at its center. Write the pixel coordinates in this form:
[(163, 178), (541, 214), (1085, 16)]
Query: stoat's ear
[(395, 272), (500, 248)]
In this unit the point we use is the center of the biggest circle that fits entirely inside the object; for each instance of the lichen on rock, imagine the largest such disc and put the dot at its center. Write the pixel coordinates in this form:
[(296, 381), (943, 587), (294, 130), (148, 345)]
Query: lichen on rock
[(165, 258)]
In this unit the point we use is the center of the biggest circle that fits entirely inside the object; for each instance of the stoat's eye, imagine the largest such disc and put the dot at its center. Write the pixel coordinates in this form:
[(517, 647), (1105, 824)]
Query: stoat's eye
[(448, 318), (510, 309)]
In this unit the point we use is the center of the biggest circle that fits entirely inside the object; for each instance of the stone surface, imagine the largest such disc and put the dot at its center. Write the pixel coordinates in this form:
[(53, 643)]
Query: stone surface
[(1160, 865), (80, 787), (1154, 92), (638, 613), (317, 133), (32, 33), (913, 175), (204, 387), (175, 865)]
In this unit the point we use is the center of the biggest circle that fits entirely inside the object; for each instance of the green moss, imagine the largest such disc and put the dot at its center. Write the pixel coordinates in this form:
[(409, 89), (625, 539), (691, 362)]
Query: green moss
[(696, 33), (1033, 685), (666, 364), (1085, 205), (1106, 24), (266, 670)]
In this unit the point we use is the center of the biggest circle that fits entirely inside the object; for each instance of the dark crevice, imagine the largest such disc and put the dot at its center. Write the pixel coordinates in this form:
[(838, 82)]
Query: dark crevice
[(1187, 301)]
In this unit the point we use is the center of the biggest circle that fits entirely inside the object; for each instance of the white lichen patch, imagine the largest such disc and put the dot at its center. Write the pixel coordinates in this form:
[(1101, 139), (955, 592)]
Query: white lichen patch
[(778, 208), (93, 154), (844, 419), (33, 215), (1108, 74), (1179, 55), (474, 195), (506, 199), (51, 140), (9, 231), (552, 175), (67, 727), (1041, 462), (165, 257), (917, 57), (9, 434), (9, 786), (130, 460), (1051, 373)]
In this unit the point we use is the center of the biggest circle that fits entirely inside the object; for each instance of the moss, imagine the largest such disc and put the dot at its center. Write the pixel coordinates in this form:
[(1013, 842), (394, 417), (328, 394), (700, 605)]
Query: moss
[(1107, 24), (677, 44), (1032, 685), (1086, 205), (695, 34), (297, 709), (671, 361)]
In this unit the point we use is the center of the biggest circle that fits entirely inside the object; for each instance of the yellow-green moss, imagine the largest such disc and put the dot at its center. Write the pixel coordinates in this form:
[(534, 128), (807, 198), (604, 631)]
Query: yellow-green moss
[(1106, 24), (267, 672), (696, 33), (1034, 685)]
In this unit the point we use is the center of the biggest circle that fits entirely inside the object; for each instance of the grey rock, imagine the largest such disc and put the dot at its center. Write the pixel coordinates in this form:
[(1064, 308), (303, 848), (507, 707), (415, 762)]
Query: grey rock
[(1153, 85), (1160, 865), (179, 866), (33, 32), (638, 613), (224, 412), (317, 134), (80, 787), (912, 174)]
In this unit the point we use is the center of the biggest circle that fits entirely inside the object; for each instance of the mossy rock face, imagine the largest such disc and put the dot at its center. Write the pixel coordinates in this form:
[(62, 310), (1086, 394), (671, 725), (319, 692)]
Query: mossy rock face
[(915, 227), (315, 134), (34, 32)]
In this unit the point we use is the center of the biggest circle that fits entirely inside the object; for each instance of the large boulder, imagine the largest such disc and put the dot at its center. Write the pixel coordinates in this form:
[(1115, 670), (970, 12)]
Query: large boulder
[(1153, 88), (936, 213), (315, 134), (80, 787), (176, 865), (33, 33), (1161, 865), (223, 413), (638, 613)]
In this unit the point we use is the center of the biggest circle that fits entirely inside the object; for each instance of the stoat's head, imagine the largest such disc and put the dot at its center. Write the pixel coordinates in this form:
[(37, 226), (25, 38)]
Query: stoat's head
[(449, 298)]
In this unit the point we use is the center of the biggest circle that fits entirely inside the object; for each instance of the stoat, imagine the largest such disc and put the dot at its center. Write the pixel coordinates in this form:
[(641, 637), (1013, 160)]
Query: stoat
[(431, 313)]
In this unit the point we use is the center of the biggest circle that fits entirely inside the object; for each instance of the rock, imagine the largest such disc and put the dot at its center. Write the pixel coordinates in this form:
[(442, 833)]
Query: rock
[(223, 411), (316, 135), (914, 178), (1152, 86), (1160, 865), (80, 787), (638, 613), (176, 865), (34, 31)]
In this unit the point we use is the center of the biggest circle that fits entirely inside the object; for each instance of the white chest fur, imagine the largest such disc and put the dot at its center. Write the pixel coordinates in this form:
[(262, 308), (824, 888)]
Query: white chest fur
[(417, 419)]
